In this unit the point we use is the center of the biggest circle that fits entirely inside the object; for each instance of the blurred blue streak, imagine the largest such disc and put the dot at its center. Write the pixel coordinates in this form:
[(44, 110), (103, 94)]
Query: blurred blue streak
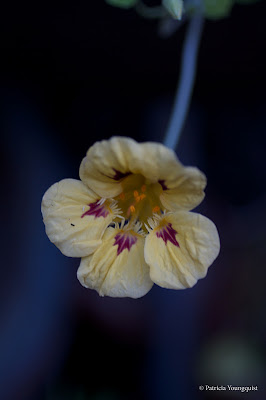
[(35, 317)]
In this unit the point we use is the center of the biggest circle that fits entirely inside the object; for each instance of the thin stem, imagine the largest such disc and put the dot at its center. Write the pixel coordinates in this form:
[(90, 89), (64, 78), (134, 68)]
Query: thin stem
[(186, 81)]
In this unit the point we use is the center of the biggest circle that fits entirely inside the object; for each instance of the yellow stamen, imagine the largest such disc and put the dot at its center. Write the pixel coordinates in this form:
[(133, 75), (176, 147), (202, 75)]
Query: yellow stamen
[(142, 196), (122, 196), (143, 188), (132, 209), (136, 193), (156, 209)]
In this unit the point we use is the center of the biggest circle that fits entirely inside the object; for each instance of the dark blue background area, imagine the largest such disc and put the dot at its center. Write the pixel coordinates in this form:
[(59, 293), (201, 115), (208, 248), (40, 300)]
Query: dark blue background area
[(72, 73)]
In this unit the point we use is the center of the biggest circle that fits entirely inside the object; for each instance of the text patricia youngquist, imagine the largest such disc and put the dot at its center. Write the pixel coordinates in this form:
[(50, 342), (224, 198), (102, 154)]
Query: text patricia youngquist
[(242, 389)]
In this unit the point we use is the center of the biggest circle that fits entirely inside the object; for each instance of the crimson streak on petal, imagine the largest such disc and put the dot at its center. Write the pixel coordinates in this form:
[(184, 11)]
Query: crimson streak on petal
[(168, 233), (124, 241), (96, 209), (162, 183), (120, 175)]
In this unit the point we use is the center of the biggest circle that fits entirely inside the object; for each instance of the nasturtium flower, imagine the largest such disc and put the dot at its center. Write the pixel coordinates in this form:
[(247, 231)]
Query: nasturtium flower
[(129, 219)]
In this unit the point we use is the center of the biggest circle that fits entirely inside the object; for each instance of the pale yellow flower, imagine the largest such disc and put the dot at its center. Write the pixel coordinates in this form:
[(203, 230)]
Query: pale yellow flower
[(129, 219)]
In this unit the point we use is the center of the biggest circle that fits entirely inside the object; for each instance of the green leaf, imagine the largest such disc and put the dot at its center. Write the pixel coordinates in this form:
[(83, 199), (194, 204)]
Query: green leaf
[(122, 3), (215, 9), (174, 7)]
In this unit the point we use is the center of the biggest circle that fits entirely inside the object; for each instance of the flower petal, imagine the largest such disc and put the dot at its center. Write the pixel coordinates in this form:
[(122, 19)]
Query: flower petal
[(71, 222), (117, 268), (180, 249), (108, 163), (184, 189)]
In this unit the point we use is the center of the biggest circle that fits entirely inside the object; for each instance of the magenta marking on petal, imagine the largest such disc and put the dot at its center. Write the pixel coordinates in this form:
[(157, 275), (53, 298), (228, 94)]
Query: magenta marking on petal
[(162, 183), (120, 175), (168, 233), (96, 209), (124, 241)]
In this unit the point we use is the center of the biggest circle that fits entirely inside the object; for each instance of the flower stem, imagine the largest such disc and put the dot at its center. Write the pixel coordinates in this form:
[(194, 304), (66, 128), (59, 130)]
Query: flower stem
[(186, 81)]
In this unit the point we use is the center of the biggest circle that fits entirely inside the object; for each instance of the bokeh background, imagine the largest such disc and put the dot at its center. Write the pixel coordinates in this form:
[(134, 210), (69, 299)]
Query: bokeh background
[(76, 72)]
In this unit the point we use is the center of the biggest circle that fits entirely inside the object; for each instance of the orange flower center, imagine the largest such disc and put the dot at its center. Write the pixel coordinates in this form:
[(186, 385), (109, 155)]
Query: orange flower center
[(139, 199)]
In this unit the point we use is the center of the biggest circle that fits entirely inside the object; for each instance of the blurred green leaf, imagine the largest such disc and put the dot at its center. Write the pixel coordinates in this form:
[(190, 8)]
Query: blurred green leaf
[(215, 9), (122, 3), (174, 7)]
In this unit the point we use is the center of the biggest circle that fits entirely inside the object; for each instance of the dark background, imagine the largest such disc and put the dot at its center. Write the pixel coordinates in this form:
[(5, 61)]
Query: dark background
[(72, 73)]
